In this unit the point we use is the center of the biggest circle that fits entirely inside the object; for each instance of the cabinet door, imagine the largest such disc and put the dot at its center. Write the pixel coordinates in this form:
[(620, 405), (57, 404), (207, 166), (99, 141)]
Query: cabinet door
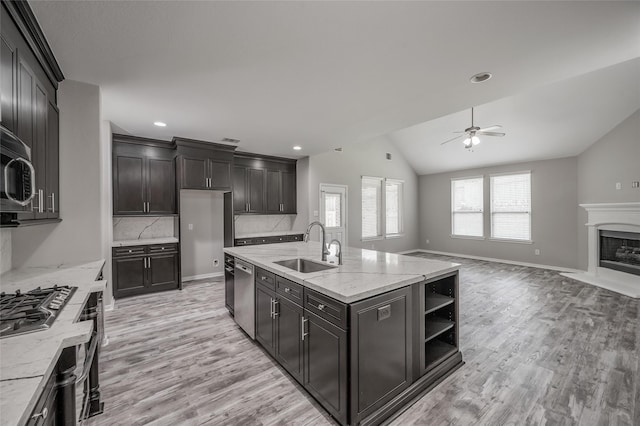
[(53, 162), (128, 185), (325, 365), (289, 343), (273, 203), (8, 82), (194, 173), (264, 322), (129, 276), (220, 174), (161, 187), (39, 151), (229, 290), (255, 178), (239, 189), (288, 184), (163, 271)]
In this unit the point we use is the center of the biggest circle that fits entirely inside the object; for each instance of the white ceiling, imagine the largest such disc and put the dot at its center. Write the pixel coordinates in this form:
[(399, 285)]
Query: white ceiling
[(326, 74)]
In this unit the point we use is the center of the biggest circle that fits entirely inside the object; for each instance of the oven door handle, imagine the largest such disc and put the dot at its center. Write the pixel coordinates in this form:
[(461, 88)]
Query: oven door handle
[(89, 359)]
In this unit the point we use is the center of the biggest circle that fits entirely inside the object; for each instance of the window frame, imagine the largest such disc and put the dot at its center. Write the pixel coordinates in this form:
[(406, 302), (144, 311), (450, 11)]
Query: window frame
[(381, 215), (491, 212), (453, 212)]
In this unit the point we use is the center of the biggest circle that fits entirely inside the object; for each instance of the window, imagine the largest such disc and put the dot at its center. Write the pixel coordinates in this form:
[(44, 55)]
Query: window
[(467, 207), (332, 214), (382, 196), (511, 206), (393, 206), (371, 207)]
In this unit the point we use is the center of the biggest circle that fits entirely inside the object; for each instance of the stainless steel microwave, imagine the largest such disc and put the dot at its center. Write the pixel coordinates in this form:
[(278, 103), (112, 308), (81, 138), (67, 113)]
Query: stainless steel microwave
[(18, 177)]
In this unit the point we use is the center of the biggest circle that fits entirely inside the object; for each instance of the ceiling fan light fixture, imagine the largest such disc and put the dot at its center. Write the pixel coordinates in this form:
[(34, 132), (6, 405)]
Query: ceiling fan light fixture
[(468, 143), (481, 77), (475, 140)]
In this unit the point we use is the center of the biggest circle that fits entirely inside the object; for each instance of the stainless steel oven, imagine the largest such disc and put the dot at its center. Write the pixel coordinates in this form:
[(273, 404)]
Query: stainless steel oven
[(17, 177)]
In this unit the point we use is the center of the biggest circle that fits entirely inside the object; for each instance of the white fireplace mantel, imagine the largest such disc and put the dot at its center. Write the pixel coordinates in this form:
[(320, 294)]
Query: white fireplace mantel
[(623, 217)]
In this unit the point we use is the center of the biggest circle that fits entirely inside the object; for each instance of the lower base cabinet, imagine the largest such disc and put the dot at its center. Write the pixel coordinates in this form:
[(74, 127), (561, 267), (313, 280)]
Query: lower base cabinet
[(145, 269), (362, 361)]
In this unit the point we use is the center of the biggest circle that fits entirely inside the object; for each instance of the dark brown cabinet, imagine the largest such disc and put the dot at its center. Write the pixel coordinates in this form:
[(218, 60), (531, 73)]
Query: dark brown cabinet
[(29, 81), (264, 185), (265, 326), (204, 165), (325, 365), (143, 176), (145, 269)]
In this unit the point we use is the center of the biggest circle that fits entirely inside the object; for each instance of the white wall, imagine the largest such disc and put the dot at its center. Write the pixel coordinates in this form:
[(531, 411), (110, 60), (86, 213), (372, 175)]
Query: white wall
[(200, 246), (614, 158), (79, 237), (553, 218), (5, 250), (347, 168)]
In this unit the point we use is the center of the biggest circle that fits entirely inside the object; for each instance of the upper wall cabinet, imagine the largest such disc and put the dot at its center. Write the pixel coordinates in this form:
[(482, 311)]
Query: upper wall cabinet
[(204, 165), (29, 77), (144, 179), (264, 185)]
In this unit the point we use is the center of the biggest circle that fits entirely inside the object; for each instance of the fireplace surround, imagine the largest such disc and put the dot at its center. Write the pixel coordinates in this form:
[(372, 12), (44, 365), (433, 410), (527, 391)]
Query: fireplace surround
[(613, 247)]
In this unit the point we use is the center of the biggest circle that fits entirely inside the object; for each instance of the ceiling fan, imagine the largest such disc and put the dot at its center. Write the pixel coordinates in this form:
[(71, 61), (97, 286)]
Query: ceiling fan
[(472, 133)]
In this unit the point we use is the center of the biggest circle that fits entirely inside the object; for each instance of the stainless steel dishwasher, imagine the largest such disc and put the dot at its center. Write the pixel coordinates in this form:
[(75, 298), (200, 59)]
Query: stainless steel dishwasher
[(244, 297)]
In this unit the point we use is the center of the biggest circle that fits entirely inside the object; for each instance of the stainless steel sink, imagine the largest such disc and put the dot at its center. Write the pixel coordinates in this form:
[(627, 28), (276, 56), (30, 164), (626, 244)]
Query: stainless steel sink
[(304, 265)]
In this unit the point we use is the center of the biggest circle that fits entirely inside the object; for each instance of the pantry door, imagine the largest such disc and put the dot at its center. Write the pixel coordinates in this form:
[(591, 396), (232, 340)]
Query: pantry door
[(333, 212)]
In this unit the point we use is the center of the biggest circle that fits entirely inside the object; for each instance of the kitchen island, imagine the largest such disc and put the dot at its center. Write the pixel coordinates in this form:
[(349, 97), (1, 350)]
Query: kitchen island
[(364, 338)]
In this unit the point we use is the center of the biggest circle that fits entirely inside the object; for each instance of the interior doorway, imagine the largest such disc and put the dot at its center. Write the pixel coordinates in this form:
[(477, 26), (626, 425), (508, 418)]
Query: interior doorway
[(333, 212)]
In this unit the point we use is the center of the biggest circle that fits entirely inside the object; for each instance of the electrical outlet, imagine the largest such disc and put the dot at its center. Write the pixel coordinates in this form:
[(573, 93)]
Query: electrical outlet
[(536, 252), (191, 227), (635, 184), (426, 241), (618, 185), (216, 262)]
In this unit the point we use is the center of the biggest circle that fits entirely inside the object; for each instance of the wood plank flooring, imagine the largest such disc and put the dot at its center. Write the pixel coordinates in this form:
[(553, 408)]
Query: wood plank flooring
[(540, 349)]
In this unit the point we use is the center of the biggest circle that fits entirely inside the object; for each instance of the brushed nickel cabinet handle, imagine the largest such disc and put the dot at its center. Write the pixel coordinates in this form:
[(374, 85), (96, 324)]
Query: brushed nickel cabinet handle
[(321, 307), (275, 308), (304, 333), (287, 289), (52, 209), (271, 314), (44, 413)]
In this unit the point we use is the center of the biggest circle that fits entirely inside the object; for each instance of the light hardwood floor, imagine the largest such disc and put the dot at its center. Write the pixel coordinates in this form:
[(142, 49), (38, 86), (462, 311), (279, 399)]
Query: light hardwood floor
[(540, 349)]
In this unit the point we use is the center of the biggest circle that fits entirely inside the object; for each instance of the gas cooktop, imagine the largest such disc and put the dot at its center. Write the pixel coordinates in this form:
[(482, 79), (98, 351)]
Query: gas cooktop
[(32, 311)]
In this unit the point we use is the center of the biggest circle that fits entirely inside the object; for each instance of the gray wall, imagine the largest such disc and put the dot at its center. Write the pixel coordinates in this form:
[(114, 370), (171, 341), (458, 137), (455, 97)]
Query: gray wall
[(203, 244), (614, 158), (553, 217), (346, 168), (5, 250), (79, 236)]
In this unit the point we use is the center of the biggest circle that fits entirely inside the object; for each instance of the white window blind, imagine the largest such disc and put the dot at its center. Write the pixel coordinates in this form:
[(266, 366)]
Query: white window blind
[(332, 214), (511, 206), (393, 206), (371, 207), (467, 207)]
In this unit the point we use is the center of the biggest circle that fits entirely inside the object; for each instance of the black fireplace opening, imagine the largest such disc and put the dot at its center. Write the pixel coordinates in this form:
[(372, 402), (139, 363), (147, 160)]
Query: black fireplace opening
[(620, 251)]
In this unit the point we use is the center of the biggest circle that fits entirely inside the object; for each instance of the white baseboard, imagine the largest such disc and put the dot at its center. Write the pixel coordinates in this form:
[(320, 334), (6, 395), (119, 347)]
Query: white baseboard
[(491, 259), (111, 305), (202, 276)]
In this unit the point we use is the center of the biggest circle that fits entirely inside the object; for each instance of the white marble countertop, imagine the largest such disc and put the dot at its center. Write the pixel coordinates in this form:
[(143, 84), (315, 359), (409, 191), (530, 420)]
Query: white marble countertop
[(27, 360), (145, 241), (268, 234), (364, 273)]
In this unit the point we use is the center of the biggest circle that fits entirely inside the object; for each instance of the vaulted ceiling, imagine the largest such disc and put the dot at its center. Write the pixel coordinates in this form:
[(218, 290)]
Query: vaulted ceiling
[(326, 74)]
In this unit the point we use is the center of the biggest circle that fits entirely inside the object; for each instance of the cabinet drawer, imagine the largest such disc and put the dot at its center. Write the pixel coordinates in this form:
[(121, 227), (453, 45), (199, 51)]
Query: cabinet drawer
[(289, 289), (325, 307), (266, 278), (162, 248), (128, 251)]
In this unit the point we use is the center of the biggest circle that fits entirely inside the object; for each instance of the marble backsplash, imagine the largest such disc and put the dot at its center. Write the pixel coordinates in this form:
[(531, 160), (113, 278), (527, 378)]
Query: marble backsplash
[(252, 224), (141, 228), (5, 250)]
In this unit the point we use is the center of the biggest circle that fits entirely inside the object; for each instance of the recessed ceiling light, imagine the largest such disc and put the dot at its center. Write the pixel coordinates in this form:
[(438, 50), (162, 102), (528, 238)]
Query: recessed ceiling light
[(480, 77), (159, 124), (297, 147)]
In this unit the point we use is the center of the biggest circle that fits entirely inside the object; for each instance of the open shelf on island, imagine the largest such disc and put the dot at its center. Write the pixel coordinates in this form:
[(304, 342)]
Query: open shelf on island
[(436, 351), (435, 301), (434, 327)]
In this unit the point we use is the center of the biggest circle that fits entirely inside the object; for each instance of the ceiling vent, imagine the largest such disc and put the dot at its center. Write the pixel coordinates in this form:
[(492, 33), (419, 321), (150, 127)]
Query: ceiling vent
[(230, 140), (480, 77), (337, 149)]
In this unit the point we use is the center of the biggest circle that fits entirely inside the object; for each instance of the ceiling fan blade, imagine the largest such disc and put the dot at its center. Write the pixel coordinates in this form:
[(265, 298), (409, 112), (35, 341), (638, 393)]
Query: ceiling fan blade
[(490, 128), (490, 133), (453, 139)]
